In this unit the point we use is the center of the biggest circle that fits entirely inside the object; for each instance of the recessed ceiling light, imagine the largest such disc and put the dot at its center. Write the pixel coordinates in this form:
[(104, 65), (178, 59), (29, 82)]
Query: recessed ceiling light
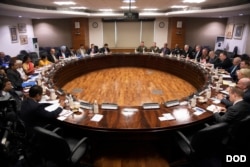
[(193, 1), (64, 3), (240, 14), (127, 7), (77, 7), (178, 6), (150, 9), (20, 16), (105, 10), (128, 1)]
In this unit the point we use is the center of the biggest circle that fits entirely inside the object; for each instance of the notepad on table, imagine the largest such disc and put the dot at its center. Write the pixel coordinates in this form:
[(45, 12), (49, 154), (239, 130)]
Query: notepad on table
[(97, 117)]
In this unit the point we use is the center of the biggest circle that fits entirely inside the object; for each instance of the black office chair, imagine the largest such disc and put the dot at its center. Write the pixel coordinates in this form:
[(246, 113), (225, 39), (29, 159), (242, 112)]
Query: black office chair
[(239, 138), (205, 143), (20, 57), (34, 58), (58, 150)]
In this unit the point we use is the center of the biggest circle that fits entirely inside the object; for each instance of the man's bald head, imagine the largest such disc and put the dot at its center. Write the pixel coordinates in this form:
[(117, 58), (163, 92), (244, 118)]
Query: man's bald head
[(244, 83)]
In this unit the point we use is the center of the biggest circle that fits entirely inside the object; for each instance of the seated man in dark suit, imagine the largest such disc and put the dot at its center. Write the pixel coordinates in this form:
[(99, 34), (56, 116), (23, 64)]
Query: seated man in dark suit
[(244, 85), (165, 50), (63, 52), (186, 52), (33, 113), (92, 50), (52, 56), (105, 49), (197, 53), (14, 76), (236, 66), (8, 93), (238, 111), (224, 63), (176, 50), (213, 59), (4, 60)]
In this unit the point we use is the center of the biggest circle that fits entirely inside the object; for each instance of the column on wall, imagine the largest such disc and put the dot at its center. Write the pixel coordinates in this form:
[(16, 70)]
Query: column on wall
[(176, 32), (80, 32)]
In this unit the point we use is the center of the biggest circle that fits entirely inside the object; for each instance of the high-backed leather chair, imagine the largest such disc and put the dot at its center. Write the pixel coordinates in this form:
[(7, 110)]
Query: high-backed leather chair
[(239, 138), (207, 142), (57, 149)]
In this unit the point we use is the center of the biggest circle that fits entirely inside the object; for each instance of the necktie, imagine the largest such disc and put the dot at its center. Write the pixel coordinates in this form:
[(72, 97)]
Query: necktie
[(233, 69), (196, 56)]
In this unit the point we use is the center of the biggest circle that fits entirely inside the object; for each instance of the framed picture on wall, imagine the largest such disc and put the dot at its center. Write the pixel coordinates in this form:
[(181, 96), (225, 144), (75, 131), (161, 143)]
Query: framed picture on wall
[(13, 34), (21, 27), (229, 31), (23, 39), (238, 31)]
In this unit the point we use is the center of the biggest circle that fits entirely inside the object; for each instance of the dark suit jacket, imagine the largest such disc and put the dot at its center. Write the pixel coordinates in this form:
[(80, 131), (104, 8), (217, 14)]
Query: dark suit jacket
[(15, 78), (246, 98), (186, 53), (198, 55), (214, 60), (59, 54), (102, 50), (51, 59), (34, 114), (95, 50), (176, 51), (226, 64), (232, 70), (165, 51), (234, 113)]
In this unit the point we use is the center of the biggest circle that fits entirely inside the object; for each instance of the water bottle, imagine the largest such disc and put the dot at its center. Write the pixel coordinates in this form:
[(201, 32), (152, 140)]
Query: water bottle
[(217, 87), (96, 109), (216, 72), (71, 102), (193, 102), (52, 94), (220, 79), (178, 57), (208, 93)]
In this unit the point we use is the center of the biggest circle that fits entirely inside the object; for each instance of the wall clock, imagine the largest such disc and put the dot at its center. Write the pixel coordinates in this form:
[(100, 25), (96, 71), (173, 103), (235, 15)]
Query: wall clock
[(94, 24), (161, 24)]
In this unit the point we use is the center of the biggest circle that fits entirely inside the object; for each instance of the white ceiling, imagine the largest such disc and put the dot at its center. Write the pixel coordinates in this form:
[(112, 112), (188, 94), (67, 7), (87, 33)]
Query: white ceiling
[(47, 9)]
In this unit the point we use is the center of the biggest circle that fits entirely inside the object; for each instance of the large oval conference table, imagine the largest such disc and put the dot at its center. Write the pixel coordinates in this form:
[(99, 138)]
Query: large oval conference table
[(143, 120)]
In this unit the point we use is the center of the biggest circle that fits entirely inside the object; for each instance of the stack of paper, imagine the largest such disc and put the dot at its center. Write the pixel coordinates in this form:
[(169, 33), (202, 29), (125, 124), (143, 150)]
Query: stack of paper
[(213, 108), (166, 116), (64, 114)]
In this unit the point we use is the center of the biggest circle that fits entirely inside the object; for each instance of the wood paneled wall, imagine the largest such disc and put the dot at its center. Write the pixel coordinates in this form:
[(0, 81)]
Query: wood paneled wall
[(176, 35), (80, 35)]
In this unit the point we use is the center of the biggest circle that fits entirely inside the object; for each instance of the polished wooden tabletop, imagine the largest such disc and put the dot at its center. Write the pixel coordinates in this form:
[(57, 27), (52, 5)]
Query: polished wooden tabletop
[(143, 120)]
